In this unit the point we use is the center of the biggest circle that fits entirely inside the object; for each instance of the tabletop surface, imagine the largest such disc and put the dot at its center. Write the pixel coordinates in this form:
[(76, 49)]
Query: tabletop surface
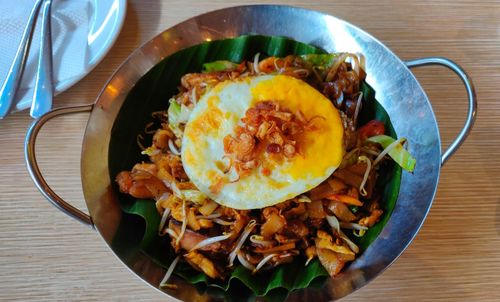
[(47, 256)]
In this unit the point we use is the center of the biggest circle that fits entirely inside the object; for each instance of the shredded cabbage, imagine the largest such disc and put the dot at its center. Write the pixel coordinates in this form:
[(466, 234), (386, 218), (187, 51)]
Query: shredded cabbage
[(173, 111), (184, 114), (177, 114)]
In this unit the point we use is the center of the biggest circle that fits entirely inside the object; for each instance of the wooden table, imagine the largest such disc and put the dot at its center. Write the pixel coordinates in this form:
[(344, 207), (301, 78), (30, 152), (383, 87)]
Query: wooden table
[(46, 256)]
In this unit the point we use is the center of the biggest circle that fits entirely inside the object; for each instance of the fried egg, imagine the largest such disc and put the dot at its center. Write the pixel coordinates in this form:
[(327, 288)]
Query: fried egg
[(219, 112)]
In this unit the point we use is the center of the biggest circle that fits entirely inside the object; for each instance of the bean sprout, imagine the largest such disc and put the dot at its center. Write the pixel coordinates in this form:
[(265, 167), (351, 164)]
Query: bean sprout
[(245, 263), (184, 223), (222, 222), (164, 217), (256, 63), (257, 240), (354, 226), (241, 240), (210, 241), (173, 148), (358, 108), (211, 216), (263, 262), (170, 270), (368, 162)]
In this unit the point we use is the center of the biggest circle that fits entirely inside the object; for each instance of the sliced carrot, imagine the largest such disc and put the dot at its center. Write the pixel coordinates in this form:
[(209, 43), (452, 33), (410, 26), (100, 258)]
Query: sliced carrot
[(345, 199)]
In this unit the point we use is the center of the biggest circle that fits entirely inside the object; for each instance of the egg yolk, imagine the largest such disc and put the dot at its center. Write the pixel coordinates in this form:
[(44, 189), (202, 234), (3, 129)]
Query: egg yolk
[(320, 149), (269, 135)]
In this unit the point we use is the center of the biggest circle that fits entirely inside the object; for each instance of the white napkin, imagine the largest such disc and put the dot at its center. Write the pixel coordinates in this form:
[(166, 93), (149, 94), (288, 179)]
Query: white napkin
[(70, 28)]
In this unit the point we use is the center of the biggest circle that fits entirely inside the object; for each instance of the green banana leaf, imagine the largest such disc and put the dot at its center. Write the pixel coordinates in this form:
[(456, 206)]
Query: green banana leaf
[(138, 228)]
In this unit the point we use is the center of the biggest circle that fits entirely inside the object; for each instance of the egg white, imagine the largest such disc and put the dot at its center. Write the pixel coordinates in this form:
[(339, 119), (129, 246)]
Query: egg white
[(220, 110)]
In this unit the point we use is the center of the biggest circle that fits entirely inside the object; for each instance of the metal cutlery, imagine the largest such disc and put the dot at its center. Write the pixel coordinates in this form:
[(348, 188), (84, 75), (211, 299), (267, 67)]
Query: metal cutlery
[(44, 88), (44, 73), (11, 84)]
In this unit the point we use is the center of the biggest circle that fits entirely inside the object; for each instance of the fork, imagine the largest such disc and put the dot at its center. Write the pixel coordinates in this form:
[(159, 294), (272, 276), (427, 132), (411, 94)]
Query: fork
[(44, 88)]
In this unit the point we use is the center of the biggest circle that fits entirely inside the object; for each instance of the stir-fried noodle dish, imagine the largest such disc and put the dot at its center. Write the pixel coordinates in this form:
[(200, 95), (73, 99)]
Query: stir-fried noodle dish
[(264, 162)]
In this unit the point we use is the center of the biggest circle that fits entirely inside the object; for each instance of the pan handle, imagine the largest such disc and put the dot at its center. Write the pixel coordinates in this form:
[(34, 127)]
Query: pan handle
[(471, 95), (34, 169)]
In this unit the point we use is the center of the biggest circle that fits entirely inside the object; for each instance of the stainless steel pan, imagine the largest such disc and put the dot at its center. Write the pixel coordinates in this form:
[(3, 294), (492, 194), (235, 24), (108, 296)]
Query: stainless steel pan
[(396, 87)]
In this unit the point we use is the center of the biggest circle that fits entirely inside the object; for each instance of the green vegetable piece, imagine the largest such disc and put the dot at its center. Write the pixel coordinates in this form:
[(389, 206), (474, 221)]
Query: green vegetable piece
[(177, 114), (354, 209), (174, 110), (399, 154), (320, 60), (220, 65)]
